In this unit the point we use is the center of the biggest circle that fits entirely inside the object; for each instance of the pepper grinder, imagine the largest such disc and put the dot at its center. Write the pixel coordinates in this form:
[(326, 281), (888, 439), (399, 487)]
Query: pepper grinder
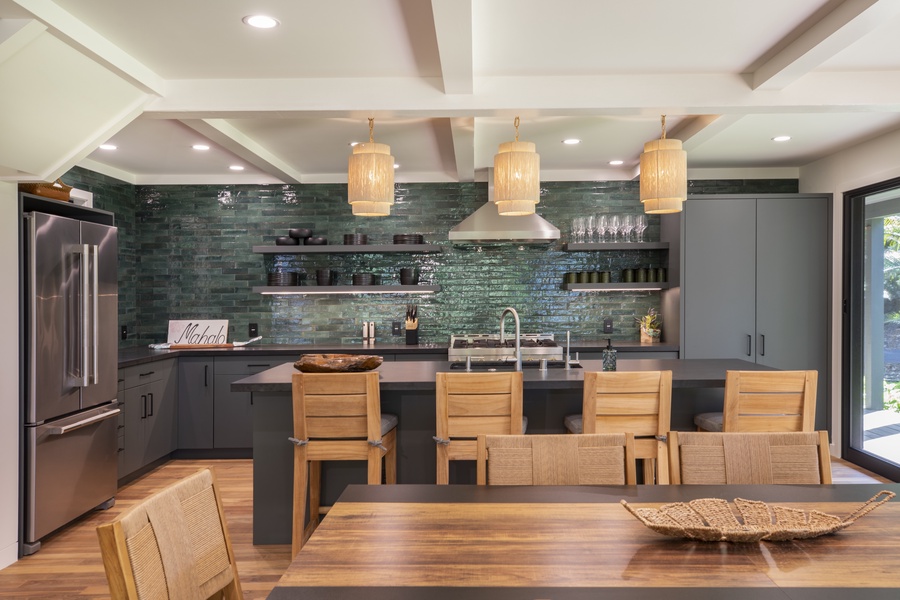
[(609, 357)]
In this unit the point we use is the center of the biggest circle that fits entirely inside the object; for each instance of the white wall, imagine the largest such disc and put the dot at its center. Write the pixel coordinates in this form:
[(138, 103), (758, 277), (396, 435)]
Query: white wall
[(9, 375), (868, 163)]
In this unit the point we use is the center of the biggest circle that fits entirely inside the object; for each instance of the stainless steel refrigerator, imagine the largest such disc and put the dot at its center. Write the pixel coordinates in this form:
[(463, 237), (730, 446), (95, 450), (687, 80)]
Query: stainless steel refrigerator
[(70, 408)]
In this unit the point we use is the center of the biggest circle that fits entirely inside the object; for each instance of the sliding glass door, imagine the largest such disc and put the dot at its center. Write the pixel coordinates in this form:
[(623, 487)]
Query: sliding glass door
[(871, 328)]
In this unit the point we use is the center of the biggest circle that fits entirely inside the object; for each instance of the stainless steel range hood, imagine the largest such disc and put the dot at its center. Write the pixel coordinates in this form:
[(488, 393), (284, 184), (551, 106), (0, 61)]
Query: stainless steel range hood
[(485, 225)]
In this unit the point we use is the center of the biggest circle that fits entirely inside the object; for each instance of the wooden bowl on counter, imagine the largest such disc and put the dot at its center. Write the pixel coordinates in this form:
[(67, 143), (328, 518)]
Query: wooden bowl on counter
[(337, 363)]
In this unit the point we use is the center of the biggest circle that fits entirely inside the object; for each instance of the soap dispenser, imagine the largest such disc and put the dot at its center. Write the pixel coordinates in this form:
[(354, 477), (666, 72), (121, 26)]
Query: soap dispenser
[(609, 357)]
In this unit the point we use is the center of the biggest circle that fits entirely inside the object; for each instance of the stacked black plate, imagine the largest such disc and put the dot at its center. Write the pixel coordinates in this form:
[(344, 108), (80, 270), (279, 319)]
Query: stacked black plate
[(408, 238), (363, 279), (284, 278), (355, 239)]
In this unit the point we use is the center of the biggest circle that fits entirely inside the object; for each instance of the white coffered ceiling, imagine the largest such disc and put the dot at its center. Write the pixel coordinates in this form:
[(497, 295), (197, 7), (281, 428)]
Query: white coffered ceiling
[(444, 80)]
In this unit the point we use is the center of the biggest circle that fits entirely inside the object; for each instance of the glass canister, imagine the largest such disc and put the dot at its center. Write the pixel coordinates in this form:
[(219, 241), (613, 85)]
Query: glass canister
[(609, 357)]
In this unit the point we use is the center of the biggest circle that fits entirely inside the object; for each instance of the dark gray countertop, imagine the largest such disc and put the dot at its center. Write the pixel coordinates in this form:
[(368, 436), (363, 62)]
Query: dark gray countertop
[(129, 357), (420, 375)]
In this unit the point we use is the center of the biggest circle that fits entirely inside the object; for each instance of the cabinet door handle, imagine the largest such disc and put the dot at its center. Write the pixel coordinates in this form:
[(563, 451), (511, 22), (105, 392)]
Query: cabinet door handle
[(150, 414), (205, 375), (749, 345), (147, 374), (143, 406), (762, 345), (249, 366)]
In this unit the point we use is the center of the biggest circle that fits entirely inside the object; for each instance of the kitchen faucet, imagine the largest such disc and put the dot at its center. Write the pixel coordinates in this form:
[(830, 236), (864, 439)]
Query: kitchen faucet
[(518, 334)]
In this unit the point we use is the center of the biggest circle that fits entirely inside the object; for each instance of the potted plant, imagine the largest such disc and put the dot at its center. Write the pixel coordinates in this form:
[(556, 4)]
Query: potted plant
[(651, 326)]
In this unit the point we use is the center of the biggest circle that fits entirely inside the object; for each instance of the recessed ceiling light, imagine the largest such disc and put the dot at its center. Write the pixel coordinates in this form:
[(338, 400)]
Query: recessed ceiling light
[(571, 141), (353, 144), (107, 146), (260, 21), (236, 168), (200, 147), (396, 166), (616, 163), (781, 138)]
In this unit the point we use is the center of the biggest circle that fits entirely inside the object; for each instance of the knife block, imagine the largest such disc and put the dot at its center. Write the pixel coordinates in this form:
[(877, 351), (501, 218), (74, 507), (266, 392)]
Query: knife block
[(412, 337)]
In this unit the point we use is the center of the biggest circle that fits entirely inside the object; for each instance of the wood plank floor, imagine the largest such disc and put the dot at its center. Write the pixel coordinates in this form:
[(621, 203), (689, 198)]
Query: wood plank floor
[(69, 565)]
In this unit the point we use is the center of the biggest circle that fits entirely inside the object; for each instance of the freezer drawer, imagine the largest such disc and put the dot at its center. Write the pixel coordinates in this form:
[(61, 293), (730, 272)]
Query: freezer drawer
[(71, 468)]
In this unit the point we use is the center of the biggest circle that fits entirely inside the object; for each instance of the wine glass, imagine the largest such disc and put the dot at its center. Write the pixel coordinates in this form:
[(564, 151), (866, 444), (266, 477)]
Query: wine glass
[(578, 227), (627, 226), (614, 225), (590, 227), (640, 224), (602, 226)]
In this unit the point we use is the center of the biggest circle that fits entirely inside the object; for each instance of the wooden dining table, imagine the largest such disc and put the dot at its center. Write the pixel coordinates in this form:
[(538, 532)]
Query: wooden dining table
[(432, 542)]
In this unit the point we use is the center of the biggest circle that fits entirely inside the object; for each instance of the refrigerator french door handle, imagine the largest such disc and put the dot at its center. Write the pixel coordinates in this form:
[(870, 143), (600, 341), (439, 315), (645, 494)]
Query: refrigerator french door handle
[(95, 329), (84, 252), (84, 423)]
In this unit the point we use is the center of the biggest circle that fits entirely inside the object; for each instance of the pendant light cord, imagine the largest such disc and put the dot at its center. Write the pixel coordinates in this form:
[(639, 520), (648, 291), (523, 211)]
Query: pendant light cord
[(663, 127), (372, 130), (516, 123)]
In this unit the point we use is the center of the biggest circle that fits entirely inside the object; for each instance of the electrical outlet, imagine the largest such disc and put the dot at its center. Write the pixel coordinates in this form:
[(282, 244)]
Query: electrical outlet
[(395, 328), (124, 332), (253, 330), (607, 326)]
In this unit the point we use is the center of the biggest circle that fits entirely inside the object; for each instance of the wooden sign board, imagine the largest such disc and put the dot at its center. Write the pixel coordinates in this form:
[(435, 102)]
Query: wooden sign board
[(198, 332)]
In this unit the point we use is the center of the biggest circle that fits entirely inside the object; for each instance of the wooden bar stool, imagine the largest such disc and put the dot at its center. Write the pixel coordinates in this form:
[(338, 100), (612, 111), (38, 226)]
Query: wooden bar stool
[(765, 401), (468, 404), (337, 416), (639, 402)]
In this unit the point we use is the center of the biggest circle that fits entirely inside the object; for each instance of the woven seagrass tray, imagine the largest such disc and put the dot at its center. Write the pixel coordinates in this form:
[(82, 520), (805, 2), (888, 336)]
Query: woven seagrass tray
[(713, 520)]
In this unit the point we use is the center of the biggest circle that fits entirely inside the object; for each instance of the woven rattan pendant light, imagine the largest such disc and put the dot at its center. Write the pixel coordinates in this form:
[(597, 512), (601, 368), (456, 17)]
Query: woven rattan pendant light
[(370, 178), (663, 175), (517, 177)]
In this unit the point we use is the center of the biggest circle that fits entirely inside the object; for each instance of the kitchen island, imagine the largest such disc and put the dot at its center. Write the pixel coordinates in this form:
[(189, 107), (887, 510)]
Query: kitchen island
[(407, 390)]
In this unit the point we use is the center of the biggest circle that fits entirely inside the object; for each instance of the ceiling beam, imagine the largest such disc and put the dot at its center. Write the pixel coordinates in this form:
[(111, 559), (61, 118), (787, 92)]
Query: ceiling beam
[(235, 141), (848, 22), (15, 34), (462, 130), (453, 29), (82, 38), (694, 94)]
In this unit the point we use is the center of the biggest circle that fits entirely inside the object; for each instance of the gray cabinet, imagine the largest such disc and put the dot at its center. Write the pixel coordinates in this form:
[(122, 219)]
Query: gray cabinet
[(232, 411), (147, 399), (195, 402), (755, 282), (210, 415)]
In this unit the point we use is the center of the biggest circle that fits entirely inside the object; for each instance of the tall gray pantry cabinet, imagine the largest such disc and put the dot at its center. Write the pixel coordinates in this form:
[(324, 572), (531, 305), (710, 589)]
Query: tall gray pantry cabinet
[(755, 282)]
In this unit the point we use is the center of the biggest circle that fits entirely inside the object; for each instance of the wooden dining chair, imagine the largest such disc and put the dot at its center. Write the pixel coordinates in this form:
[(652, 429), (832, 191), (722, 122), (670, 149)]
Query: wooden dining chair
[(795, 457), (765, 401), (174, 544), (468, 404), (585, 459), (337, 416), (639, 402)]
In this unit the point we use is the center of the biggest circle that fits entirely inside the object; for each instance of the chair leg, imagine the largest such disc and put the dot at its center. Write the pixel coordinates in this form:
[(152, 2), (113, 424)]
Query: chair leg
[(374, 463), (301, 482), (315, 492), (649, 465), (390, 459), (443, 465)]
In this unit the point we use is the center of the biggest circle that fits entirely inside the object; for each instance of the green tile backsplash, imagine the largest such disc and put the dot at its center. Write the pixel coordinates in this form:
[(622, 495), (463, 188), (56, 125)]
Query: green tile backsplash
[(186, 253)]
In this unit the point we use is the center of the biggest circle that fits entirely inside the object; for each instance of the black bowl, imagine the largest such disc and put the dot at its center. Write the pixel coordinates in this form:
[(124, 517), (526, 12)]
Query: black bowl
[(286, 241), (299, 234), (316, 241)]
